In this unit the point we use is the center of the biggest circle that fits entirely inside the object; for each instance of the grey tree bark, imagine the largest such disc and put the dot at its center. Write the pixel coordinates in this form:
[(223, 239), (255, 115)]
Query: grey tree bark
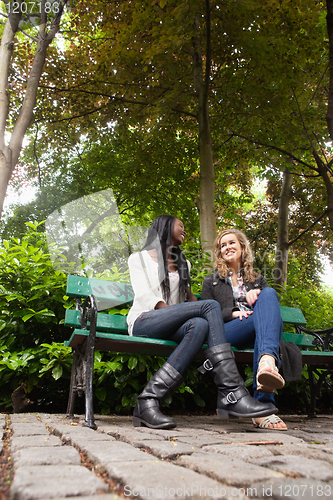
[(206, 202), (282, 247), (9, 153)]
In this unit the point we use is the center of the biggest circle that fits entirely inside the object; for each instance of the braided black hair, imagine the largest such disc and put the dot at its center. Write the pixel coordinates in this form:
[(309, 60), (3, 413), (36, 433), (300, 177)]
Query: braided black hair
[(160, 238)]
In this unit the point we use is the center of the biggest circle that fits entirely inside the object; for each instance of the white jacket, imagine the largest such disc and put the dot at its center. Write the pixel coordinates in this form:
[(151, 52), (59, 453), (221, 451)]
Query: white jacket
[(146, 285)]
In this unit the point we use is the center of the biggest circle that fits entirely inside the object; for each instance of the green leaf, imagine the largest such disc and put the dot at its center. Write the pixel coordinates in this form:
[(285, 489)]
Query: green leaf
[(132, 362), (100, 393), (125, 401), (57, 372), (199, 401), (28, 316)]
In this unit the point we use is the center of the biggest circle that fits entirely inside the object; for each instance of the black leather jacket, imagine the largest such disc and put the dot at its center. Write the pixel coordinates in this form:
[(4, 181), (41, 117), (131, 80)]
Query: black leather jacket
[(218, 288)]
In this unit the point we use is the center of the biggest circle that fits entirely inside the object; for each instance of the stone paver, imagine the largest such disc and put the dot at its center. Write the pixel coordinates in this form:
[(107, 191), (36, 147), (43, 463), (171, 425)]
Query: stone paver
[(226, 469), (304, 467), (29, 429), (158, 479), (104, 496), (202, 439), (104, 452), (203, 457), (243, 452), (168, 449), (53, 481), (59, 455), (18, 443)]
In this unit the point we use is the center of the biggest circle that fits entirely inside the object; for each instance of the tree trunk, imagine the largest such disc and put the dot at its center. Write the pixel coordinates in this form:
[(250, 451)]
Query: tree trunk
[(207, 180), (327, 178), (281, 256), (6, 51), (329, 24), (9, 155)]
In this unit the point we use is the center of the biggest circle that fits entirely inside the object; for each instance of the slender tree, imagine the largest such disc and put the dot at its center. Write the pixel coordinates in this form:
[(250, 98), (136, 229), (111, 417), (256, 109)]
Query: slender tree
[(15, 122)]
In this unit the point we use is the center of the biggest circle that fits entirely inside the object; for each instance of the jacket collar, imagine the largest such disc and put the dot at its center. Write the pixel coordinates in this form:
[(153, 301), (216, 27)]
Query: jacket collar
[(217, 276)]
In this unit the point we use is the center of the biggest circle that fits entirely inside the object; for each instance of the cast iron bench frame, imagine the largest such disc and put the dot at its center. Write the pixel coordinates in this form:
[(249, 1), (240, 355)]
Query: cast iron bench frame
[(108, 332)]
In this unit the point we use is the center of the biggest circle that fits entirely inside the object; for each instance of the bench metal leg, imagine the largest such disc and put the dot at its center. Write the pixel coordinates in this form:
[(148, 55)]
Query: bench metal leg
[(89, 373), (78, 378), (313, 392), (82, 381), (72, 387)]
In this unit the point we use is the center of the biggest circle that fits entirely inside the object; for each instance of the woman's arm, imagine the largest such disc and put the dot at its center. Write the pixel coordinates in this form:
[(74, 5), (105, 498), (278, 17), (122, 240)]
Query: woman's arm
[(252, 295), (190, 295), (146, 286), (216, 289)]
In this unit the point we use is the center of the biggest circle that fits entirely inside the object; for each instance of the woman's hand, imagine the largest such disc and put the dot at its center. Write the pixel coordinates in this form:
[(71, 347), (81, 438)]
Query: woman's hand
[(241, 314), (252, 296), (190, 296), (161, 304)]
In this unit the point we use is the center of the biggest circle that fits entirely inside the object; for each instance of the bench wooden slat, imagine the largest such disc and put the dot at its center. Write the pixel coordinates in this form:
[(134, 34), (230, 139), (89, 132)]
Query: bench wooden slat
[(299, 340), (115, 323), (107, 293), (113, 342), (293, 316), (105, 322), (124, 343)]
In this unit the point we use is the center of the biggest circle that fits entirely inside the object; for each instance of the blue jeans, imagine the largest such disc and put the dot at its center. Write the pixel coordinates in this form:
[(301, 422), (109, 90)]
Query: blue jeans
[(261, 330), (190, 324)]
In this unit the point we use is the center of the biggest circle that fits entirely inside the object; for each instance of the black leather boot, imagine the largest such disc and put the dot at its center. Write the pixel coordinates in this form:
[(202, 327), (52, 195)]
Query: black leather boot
[(233, 398), (147, 410)]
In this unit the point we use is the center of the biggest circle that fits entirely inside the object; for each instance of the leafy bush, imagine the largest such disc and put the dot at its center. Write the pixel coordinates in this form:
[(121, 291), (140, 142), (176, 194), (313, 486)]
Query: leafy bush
[(32, 293), (45, 371), (315, 303)]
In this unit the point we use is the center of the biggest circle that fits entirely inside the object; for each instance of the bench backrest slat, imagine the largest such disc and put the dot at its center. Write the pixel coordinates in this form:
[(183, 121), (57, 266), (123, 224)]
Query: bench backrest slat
[(300, 340), (107, 293), (292, 315), (105, 322)]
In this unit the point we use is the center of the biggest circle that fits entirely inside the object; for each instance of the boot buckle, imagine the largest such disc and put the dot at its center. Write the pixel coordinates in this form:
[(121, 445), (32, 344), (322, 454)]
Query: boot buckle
[(207, 364), (231, 398)]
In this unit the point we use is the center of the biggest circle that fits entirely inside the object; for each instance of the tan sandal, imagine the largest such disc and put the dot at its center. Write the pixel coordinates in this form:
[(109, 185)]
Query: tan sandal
[(268, 377), (270, 420)]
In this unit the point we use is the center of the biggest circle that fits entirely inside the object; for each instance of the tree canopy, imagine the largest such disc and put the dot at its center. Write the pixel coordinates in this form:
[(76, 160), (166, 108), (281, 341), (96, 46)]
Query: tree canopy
[(177, 104)]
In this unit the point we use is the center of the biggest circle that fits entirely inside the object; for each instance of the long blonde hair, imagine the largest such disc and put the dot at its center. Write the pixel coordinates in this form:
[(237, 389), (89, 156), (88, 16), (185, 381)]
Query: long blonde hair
[(247, 257)]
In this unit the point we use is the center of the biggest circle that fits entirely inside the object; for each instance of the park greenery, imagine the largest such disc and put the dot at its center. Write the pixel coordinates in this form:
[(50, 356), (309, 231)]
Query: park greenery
[(217, 112)]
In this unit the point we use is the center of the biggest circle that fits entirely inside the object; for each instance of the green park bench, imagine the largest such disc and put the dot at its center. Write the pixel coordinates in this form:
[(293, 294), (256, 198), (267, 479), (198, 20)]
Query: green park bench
[(108, 332)]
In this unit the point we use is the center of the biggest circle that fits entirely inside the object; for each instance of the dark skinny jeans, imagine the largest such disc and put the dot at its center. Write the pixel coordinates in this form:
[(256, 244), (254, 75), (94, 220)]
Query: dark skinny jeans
[(190, 324)]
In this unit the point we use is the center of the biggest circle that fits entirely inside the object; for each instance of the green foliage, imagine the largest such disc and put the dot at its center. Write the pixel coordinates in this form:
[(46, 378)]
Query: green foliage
[(45, 370), (32, 293), (200, 262), (315, 303)]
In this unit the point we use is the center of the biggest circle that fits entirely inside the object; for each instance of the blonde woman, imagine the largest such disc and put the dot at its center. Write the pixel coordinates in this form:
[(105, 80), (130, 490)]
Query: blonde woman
[(251, 314)]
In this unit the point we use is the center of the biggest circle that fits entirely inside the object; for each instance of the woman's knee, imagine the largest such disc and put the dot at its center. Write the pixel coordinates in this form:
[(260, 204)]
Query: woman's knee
[(268, 292), (211, 304), (198, 327)]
